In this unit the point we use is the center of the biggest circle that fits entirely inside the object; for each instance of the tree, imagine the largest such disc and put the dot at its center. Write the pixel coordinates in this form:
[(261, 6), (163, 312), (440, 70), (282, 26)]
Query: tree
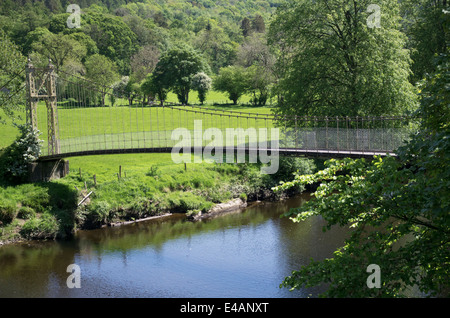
[(246, 27), (397, 209), (127, 87), (176, 68), (202, 84), (113, 38), (255, 50), (102, 72), (258, 83), (144, 61), (15, 158), (231, 80), (59, 48), (216, 46), (12, 66), (338, 63), (152, 88), (424, 23), (258, 24)]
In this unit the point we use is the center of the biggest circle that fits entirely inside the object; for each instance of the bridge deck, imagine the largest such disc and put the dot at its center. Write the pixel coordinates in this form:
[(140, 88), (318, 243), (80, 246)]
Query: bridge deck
[(321, 153)]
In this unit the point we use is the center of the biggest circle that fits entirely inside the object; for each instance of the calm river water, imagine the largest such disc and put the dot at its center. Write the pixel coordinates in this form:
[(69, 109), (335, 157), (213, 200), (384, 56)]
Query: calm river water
[(244, 254)]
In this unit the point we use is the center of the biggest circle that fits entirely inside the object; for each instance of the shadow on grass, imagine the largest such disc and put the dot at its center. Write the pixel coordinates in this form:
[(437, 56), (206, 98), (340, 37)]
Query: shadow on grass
[(48, 201)]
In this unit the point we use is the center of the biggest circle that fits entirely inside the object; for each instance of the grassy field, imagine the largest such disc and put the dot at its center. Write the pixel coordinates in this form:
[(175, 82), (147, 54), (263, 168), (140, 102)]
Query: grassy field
[(122, 126)]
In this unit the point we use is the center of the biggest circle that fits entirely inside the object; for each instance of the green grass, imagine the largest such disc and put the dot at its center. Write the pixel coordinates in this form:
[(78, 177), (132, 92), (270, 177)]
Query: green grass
[(88, 128), (213, 98)]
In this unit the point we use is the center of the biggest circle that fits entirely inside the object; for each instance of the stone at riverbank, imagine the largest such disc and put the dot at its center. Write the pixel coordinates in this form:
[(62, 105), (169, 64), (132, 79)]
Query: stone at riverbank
[(220, 208)]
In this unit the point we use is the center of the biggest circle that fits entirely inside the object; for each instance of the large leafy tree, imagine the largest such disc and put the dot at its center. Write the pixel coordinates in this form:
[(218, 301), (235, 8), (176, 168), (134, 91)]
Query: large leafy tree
[(424, 23), (144, 62), (101, 73), (154, 89), (231, 80), (397, 209), (334, 61), (112, 36), (12, 76), (217, 47), (60, 48), (176, 68)]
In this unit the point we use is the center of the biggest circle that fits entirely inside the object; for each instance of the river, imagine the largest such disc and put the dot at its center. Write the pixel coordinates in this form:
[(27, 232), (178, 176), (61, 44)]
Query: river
[(243, 254)]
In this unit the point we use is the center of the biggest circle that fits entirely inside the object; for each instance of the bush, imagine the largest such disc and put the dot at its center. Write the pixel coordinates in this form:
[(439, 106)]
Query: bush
[(187, 201), (289, 166), (41, 228), (99, 212), (15, 158), (8, 212), (26, 212), (139, 208), (36, 198)]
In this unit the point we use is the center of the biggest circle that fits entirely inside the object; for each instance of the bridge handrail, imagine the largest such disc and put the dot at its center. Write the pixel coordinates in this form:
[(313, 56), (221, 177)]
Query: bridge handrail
[(291, 118)]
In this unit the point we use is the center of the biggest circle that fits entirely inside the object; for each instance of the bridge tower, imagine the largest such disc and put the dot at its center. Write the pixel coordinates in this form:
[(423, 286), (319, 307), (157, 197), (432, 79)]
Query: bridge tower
[(41, 85)]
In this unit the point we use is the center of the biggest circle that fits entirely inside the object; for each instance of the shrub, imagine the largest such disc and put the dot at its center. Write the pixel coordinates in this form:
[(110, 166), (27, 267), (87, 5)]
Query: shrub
[(139, 208), (289, 166), (153, 171), (186, 201), (8, 212), (26, 212), (99, 212), (45, 227), (15, 158), (36, 198)]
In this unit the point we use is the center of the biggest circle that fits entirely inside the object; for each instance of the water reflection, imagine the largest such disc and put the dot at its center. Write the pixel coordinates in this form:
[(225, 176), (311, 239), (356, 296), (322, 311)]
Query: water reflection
[(242, 254)]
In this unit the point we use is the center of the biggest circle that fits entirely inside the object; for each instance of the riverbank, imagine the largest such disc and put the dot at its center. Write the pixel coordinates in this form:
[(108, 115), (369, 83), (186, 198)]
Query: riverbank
[(148, 186)]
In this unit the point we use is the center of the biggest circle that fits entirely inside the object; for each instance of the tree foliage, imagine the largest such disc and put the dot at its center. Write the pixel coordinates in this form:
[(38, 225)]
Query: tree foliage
[(334, 64), (102, 73), (231, 80), (12, 65), (176, 68), (154, 88), (201, 83), (59, 48), (424, 22), (14, 159), (397, 209)]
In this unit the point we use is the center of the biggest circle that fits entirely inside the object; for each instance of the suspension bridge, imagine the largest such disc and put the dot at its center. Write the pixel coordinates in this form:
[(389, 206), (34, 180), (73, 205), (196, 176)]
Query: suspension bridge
[(79, 118)]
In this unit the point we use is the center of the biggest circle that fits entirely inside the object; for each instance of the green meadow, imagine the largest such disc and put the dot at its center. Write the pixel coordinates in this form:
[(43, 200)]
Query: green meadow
[(123, 126)]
